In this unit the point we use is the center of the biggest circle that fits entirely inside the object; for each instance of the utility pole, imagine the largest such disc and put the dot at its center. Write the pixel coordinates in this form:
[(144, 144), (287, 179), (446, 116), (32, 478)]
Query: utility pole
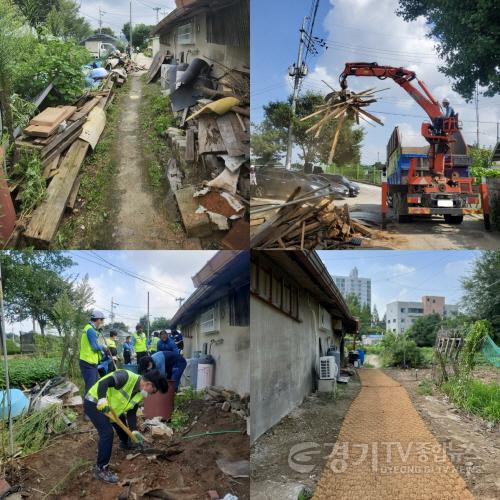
[(498, 135), (477, 113), (180, 300), (157, 9), (6, 367), (113, 303), (101, 13), (297, 71), (131, 40)]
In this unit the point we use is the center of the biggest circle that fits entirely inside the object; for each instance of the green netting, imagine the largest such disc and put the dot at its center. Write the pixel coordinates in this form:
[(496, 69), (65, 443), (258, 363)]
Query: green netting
[(491, 352)]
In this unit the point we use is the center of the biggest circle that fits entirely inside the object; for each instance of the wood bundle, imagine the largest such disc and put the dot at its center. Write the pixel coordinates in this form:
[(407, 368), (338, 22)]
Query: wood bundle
[(309, 225), (342, 105)]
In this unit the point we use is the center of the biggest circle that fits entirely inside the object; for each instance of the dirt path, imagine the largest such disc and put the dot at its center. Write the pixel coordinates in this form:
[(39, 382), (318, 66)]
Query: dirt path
[(139, 221), (385, 450)]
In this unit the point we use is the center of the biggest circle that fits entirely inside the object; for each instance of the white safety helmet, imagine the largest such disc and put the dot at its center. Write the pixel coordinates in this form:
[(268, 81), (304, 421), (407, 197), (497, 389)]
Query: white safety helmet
[(97, 314), (446, 101)]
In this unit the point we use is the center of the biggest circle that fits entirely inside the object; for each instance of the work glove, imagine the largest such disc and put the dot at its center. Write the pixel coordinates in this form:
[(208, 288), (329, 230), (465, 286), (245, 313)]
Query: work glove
[(138, 439), (103, 405)]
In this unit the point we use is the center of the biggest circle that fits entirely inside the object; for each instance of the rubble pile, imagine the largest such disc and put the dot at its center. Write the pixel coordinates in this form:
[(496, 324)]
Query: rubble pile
[(211, 145), (310, 225), (228, 400)]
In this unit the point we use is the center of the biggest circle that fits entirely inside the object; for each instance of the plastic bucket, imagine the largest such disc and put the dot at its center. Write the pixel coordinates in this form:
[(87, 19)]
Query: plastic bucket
[(160, 404)]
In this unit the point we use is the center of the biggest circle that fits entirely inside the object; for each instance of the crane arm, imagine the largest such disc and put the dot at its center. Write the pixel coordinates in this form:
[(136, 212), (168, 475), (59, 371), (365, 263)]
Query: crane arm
[(403, 77)]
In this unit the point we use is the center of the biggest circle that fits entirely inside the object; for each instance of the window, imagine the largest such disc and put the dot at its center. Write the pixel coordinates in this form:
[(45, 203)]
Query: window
[(402, 309), (185, 34), (209, 320), (239, 307), (402, 320), (324, 319), (275, 290), (265, 284)]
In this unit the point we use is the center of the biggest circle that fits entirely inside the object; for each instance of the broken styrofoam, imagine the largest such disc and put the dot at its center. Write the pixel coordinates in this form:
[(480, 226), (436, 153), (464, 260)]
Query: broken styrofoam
[(157, 427), (227, 180), (233, 163), (45, 401), (74, 401)]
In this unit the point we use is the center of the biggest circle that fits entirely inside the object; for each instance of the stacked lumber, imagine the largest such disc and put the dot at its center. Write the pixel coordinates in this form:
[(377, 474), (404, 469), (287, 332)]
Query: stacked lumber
[(300, 225), (339, 106)]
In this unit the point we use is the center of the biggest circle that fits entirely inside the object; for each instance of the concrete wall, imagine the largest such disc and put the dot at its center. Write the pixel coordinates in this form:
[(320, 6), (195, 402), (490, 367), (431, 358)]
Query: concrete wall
[(232, 57), (156, 45), (284, 358), (231, 350)]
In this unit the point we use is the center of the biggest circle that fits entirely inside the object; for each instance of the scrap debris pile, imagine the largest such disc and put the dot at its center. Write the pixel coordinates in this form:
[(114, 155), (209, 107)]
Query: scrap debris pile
[(212, 139), (302, 224), (60, 137), (338, 106), (228, 400)]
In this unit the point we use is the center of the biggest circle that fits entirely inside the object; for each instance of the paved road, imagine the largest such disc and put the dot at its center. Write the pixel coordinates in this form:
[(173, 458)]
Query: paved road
[(428, 234), (385, 451)]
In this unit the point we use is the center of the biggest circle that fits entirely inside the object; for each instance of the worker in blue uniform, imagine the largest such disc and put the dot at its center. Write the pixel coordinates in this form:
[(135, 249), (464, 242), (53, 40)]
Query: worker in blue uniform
[(167, 343), (91, 352), (169, 364)]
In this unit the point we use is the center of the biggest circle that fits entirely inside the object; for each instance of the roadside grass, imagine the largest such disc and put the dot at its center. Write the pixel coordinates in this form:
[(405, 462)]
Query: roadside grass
[(426, 388), (475, 396), (368, 365), (81, 229), (155, 117), (180, 416)]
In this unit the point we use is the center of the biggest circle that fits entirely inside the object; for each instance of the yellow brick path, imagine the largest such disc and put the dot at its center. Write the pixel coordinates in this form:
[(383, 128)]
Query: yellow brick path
[(386, 452)]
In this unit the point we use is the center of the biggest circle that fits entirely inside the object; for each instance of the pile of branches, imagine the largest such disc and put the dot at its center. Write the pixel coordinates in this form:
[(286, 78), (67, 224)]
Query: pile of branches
[(342, 105)]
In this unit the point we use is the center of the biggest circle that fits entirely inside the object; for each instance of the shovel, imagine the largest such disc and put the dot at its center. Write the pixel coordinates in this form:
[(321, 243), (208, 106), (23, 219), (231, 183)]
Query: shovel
[(135, 436)]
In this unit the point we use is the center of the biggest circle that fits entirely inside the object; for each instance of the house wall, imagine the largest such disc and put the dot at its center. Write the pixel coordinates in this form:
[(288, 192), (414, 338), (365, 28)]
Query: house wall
[(156, 45), (230, 56), (230, 349), (284, 357)]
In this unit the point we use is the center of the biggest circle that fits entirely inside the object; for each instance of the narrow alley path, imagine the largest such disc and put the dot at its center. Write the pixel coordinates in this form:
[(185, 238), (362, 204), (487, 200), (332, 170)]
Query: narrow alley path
[(140, 220), (385, 450)]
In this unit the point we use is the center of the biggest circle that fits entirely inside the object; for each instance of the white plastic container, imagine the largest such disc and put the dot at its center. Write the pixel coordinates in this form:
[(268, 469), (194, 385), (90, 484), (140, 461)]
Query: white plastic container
[(205, 376)]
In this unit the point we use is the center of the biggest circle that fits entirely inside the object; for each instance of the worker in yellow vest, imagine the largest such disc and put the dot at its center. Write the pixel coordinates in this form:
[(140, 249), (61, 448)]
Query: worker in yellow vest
[(153, 343), (140, 342), (90, 350), (113, 349), (121, 391)]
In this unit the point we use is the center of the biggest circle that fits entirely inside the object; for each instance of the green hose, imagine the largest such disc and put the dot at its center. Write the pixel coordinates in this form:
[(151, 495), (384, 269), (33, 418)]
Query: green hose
[(212, 434)]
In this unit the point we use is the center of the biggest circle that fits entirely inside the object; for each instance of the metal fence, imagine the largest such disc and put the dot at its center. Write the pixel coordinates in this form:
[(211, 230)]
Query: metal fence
[(357, 173)]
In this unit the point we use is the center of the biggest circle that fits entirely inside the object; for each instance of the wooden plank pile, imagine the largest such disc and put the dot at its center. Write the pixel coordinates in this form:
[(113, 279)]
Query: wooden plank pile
[(57, 136), (318, 224), (339, 106)]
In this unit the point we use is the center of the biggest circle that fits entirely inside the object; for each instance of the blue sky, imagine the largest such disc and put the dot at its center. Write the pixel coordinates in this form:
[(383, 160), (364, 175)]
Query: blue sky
[(117, 12), (405, 275), (171, 270), (358, 30)]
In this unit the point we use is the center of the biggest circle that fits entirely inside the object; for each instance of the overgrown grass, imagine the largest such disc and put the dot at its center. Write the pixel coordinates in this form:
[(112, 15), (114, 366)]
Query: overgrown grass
[(425, 387), (475, 396), (33, 185), (155, 117), (180, 416), (81, 230), (29, 371)]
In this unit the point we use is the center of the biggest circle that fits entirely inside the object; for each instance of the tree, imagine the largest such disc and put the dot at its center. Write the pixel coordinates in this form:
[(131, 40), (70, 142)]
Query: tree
[(400, 350), (117, 325), (32, 284), (363, 313), (265, 144), (313, 150), (467, 39), (482, 291), (424, 330), (140, 34), (64, 21), (69, 314), (105, 31), (160, 323), (36, 12)]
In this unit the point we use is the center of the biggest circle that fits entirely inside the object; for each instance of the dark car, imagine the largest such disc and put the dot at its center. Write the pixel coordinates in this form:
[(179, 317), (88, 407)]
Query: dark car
[(277, 182), (338, 190), (340, 179)]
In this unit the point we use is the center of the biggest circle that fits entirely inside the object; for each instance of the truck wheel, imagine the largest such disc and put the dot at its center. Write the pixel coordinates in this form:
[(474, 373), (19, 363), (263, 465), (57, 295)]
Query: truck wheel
[(404, 218), (453, 219)]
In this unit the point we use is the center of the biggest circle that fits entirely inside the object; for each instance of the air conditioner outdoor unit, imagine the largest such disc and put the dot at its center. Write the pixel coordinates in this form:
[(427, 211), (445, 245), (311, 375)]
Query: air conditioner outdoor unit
[(328, 369)]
